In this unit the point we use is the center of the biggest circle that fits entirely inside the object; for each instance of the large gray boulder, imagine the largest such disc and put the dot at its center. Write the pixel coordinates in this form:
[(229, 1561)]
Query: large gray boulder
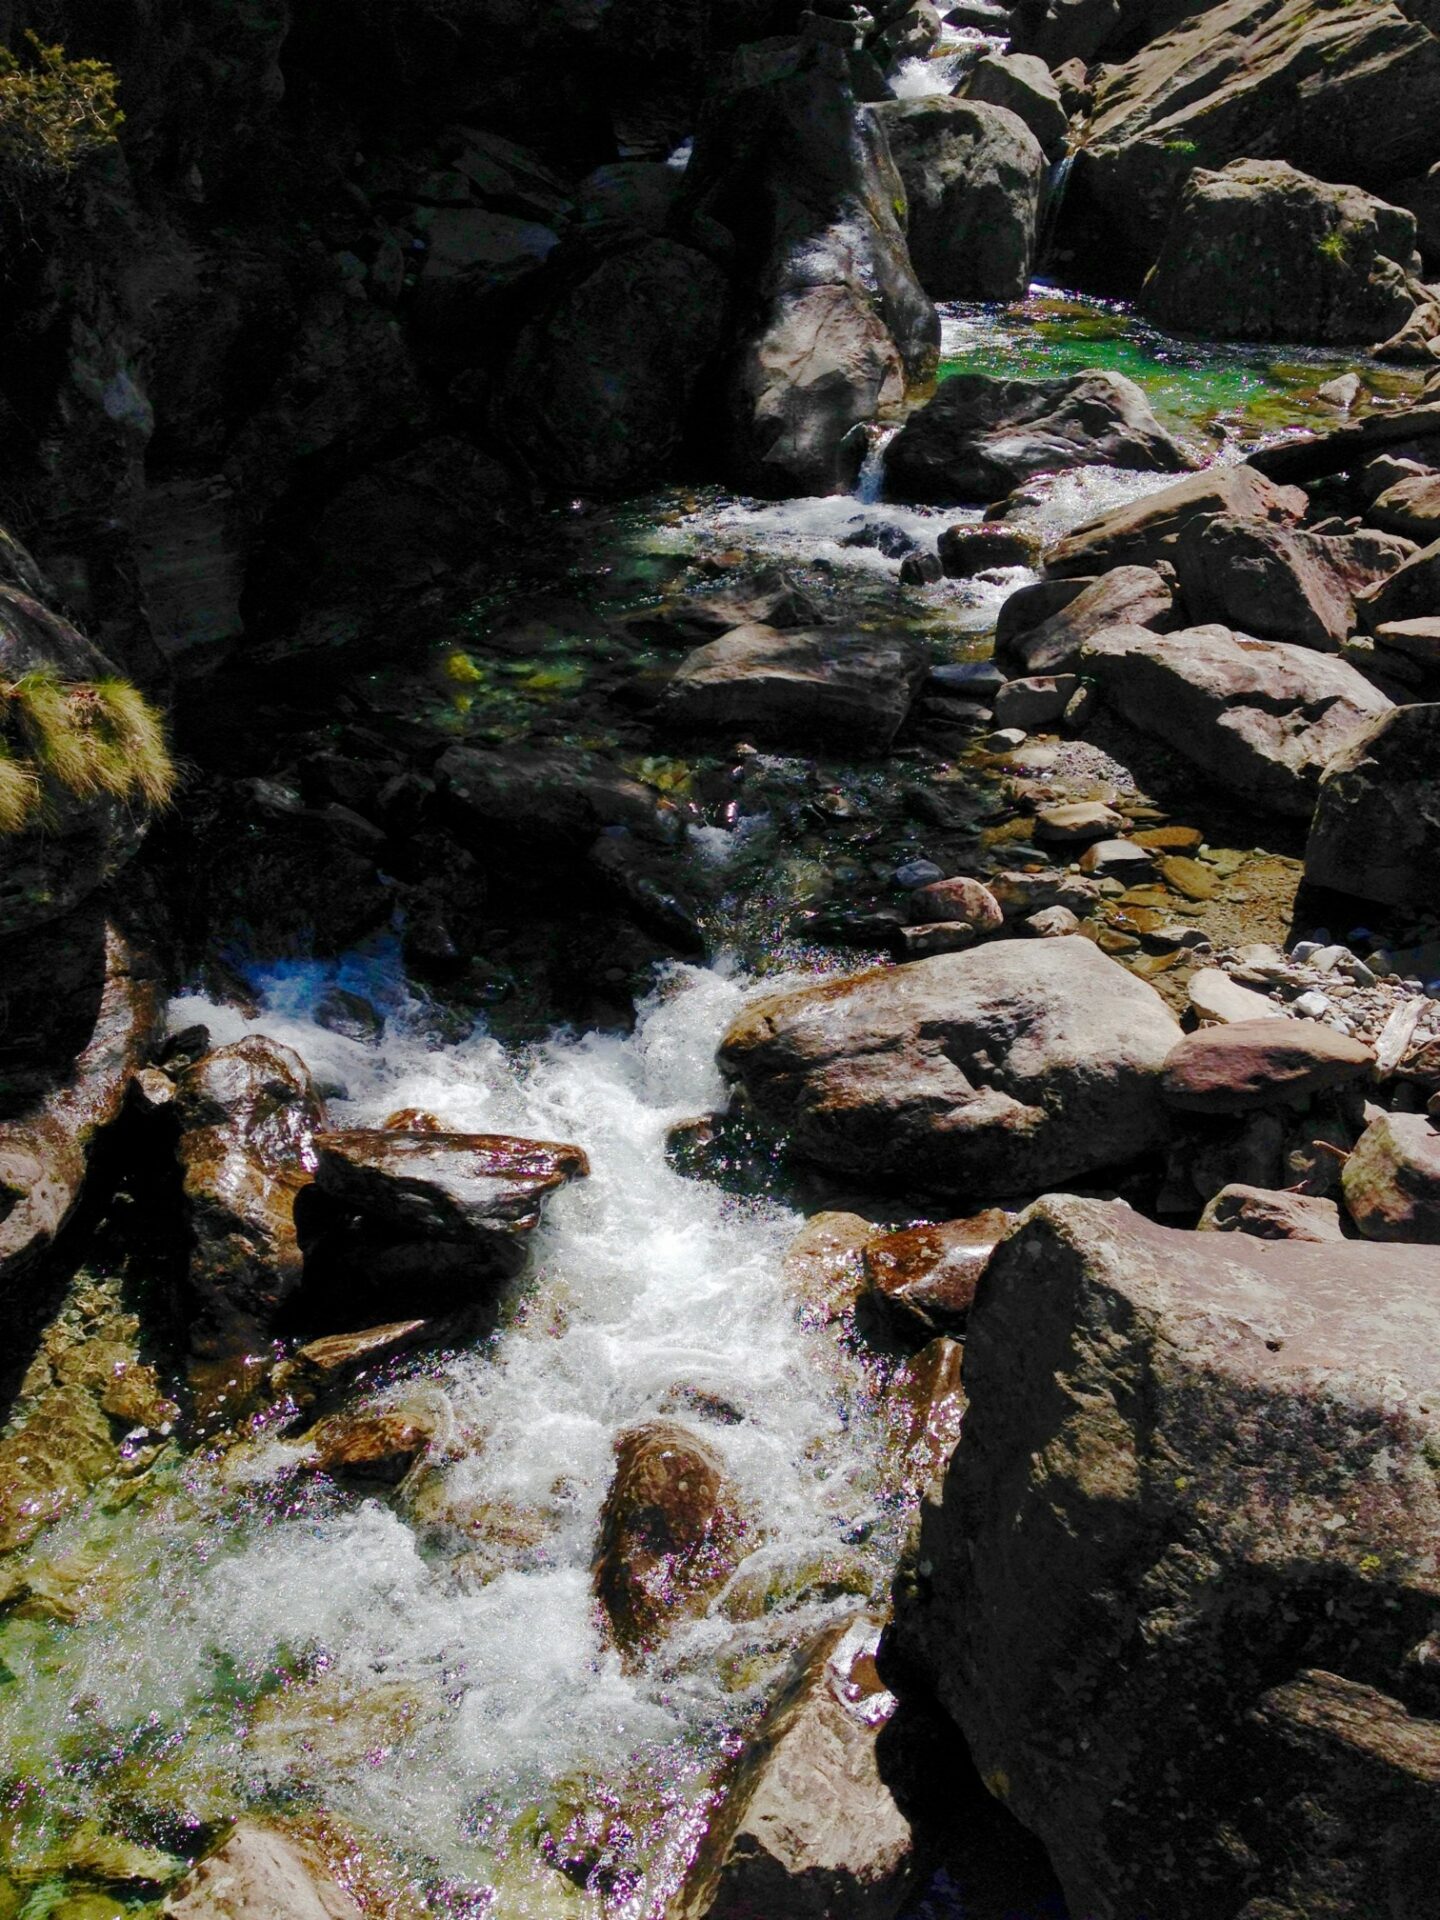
[(1376, 827), (1024, 86), (1177, 1590), (1349, 93), (1146, 530), (973, 176), (981, 435), (999, 1070), (1260, 251), (792, 183), (817, 686), (1259, 717), (1278, 582)]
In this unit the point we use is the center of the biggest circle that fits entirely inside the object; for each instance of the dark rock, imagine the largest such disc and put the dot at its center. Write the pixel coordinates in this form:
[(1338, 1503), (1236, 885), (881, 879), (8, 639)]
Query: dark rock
[(981, 435), (1148, 529), (1262, 252), (817, 686), (968, 549), (769, 600), (1001, 1069), (1376, 827), (1411, 506), (973, 175), (640, 194), (921, 570), (545, 797), (1260, 718), (1115, 1580), (1409, 593)]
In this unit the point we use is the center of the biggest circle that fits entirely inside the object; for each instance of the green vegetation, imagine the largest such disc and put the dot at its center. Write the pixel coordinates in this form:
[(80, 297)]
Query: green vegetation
[(82, 737), (54, 113), (1334, 246)]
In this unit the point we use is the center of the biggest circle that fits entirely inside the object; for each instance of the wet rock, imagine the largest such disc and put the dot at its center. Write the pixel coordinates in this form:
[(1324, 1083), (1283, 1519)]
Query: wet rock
[(368, 1446), (1376, 827), (1126, 596), (547, 798), (1391, 1181), (957, 899), (1147, 529), (1260, 251), (425, 1220), (1270, 1215), (1260, 1063), (807, 686), (1025, 86), (1113, 1581), (1347, 96), (973, 175), (669, 1534), (770, 599), (968, 549), (982, 435), (598, 392), (838, 332), (807, 1827), (925, 1277), (1259, 717), (258, 1874), (1037, 702), (822, 1263), (248, 1117), (921, 570), (1004, 1068), (1280, 583)]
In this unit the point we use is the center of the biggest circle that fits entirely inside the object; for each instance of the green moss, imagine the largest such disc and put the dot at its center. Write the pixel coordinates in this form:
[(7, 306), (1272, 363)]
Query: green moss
[(54, 113), (1335, 247), (81, 737)]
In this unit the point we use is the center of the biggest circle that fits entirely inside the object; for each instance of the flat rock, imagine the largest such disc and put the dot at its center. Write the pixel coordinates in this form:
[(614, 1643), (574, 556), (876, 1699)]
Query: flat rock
[(1392, 1179), (1271, 1215), (1035, 702), (1260, 1063), (803, 686), (1410, 506), (1220, 1001), (1261, 718), (999, 1070), (1418, 640), (1148, 529), (1376, 827), (1117, 860), (1181, 1450), (1077, 822), (982, 435)]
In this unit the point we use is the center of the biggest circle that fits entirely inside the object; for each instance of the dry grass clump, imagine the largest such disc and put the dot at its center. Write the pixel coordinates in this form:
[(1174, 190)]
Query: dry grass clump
[(84, 737)]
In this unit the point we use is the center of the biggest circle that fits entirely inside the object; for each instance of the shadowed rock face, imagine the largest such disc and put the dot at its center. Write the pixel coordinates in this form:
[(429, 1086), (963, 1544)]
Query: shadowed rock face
[(1001, 1069), (1189, 1534), (1376, 827)]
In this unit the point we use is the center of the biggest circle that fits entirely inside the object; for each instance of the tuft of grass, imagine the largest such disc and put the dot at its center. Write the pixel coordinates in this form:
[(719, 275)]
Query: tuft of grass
[(87, 737)]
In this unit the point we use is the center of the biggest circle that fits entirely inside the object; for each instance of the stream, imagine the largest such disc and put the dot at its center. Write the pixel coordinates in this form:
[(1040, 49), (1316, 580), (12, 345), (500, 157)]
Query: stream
[(424, 1669)]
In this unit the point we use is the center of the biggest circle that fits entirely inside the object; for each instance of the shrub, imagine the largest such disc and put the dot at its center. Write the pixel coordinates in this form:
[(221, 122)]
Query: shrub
[(54, 113), (84, 737)]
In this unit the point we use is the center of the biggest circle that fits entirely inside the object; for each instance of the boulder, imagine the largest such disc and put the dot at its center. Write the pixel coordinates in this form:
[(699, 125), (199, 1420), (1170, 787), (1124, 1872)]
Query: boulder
[(1376, 826), (248, 1116), (1149, 529), (981, 435), (1123, 597), (640, 194), (1411, 592), (542, 797), (998, 1070), (973, 177), (1259, 251), (793, 180), (669, 1534), (767, 599), (1258, 717), (1391, 1181), (816, 686), (1239, 1065), (433, 1218), (1195, 1469), (969, 549), (1271, 1215), (1057, 31), (1024, 86), (258, 1874), (1280, 583), (806, 1826), (597, 393), (1348, 93), (1035, 702), (1410, 506), (1077, 822), (924, 1278)]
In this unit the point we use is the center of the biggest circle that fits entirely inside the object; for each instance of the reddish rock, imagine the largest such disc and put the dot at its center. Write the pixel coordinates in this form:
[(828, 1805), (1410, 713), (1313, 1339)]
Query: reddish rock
[(1260, 1063), (1035, 635), (926, 1277), (957, 899)]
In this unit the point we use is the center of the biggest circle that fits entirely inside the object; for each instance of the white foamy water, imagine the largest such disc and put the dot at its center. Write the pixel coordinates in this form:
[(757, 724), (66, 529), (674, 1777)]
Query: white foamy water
[(938, 71), (430, 1668)]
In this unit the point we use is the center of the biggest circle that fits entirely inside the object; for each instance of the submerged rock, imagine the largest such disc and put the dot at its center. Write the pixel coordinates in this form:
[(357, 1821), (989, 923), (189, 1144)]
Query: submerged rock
[(1376, 827), (818, 686), (1260, 251), (973, 177), (669, 1534), (1001, 1070), (1260, 718), (1125, 1598), (807, 1827)]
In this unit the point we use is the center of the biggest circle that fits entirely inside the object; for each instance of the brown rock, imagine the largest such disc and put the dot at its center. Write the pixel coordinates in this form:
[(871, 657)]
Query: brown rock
[(925, 1277), (1260, 1063), (669, 1534), (1280, 583), (1391, 1181), (1148, 529), (1271, 1215), (1078, 822), (957, 899), (368, 1446), (823, 1265), (1122, 597), (969, 549), (1410, 506)]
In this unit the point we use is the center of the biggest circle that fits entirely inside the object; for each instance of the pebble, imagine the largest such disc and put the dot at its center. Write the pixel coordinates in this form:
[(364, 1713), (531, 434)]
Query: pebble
[(1312, 1004), (1003, 740)]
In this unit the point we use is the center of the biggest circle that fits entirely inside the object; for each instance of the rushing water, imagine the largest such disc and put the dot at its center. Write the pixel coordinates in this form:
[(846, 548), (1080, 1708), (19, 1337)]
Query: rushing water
[(431, 1665)]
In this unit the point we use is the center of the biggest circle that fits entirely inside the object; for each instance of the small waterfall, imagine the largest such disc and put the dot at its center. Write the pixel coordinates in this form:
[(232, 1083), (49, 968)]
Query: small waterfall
[(870, 485), (1056, 183)]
